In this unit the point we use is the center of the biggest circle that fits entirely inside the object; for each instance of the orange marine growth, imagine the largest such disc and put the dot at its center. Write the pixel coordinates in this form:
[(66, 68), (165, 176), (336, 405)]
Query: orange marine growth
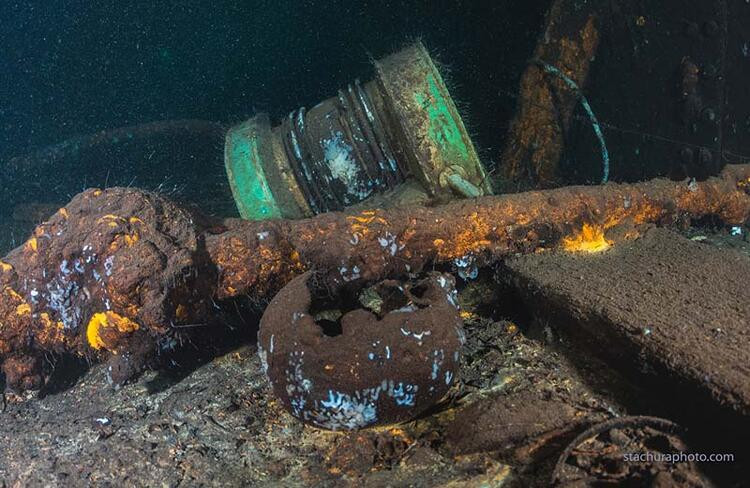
[(591, 239), (472, 237), (165, 256), (104, 327), (32, 244)]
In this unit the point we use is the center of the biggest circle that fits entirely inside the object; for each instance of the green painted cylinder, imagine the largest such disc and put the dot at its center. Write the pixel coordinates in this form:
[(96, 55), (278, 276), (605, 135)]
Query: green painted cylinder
[(368, 143)]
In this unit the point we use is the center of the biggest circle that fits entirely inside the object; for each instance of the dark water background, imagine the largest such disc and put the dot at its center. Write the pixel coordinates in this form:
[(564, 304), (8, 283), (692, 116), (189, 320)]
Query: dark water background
[(74, 67), (71, 68)]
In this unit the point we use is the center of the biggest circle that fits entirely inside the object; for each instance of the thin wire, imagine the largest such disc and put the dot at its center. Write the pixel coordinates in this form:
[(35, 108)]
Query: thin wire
[(548, 68), (646, 135)]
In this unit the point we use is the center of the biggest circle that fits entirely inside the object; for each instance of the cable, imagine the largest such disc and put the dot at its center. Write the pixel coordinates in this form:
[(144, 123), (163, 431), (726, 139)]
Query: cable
[(548, 68)]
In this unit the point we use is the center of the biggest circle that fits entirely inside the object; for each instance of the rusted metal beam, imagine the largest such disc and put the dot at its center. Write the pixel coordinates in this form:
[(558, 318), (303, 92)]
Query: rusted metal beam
[(119, 274), (254, 258), (546, 103)]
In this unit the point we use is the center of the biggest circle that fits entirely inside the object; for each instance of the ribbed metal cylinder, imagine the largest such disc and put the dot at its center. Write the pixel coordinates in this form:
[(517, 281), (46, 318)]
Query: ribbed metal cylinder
[(372, 138)]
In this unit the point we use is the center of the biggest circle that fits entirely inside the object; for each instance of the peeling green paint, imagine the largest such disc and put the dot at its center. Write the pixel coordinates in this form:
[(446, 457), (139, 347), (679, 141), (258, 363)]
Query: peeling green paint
[(443, 129), (269, 178), (255, 200)]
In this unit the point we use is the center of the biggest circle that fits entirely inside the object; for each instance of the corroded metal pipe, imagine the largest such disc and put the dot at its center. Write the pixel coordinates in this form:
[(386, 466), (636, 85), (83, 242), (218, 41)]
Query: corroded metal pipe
[(254, 258), (119, 274)]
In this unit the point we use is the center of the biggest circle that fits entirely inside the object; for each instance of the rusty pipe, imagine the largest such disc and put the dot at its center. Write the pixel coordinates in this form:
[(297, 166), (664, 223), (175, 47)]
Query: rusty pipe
[(119, 274), (256, 257)]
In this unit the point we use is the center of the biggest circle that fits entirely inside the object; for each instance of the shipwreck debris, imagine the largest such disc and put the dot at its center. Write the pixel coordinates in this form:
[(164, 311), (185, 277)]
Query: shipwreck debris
[(154, 268), (400, 135), (373, 368), (637, 449), (105, 277), (663, 310), (546, 106)]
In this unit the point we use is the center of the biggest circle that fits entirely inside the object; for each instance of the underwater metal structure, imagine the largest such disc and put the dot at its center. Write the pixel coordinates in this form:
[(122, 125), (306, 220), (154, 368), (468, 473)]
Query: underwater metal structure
[(399, 134), (118, 274), (396, 356)]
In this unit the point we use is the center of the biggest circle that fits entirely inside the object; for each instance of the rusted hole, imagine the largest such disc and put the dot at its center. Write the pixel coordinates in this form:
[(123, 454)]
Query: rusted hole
[(331, 328), (327, 310), (392, 295), (419, 290)]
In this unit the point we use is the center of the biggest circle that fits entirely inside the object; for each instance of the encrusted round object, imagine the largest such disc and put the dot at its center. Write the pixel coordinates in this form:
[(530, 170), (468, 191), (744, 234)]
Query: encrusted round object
[(380, 364)]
